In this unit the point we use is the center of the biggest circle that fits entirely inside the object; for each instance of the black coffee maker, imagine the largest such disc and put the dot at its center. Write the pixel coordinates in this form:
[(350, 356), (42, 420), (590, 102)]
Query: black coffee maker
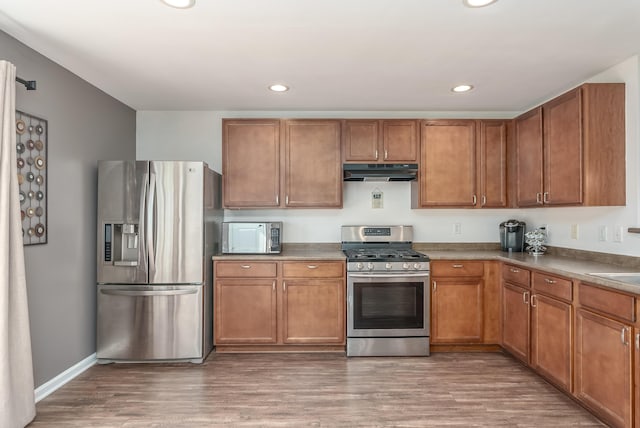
[(512, 235)]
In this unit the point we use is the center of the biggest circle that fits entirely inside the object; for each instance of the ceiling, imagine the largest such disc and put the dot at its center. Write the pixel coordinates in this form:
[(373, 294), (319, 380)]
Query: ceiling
[(386, 55)]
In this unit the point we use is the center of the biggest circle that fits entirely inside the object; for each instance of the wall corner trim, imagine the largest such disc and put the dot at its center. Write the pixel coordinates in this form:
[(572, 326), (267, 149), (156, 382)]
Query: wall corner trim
[(57, 382)]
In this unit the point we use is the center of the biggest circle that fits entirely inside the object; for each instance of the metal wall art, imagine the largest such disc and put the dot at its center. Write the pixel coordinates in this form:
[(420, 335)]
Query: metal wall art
[(32, 147)]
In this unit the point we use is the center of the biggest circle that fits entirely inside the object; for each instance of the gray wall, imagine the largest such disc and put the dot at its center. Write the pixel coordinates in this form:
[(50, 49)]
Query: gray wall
[(85, 125)]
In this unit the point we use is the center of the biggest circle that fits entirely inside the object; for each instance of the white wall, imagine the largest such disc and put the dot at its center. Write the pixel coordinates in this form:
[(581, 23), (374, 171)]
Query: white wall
[(197, 135)]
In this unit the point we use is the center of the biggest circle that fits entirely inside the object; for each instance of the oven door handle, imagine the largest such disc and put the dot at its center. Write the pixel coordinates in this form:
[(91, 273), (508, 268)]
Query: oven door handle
[(387, 275)]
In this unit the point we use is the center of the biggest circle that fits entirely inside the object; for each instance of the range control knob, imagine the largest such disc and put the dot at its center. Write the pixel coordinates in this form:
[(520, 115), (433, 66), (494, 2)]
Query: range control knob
[(405, 265), (388, 266), (370, 266), (417, 266), (359, 266)]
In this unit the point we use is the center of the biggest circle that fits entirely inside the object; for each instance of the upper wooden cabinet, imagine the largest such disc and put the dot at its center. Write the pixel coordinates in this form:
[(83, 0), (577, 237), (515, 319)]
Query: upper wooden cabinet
[(269, 163), (251, 163), (380, 141), (313, 171), (571, 150), (462, 164)]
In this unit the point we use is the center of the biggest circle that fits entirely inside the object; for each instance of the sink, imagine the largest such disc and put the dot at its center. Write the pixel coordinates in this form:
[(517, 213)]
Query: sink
[(627, 277)]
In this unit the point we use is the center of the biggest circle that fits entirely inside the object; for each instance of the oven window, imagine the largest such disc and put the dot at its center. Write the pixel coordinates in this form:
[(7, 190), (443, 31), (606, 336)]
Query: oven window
[(388, 305)]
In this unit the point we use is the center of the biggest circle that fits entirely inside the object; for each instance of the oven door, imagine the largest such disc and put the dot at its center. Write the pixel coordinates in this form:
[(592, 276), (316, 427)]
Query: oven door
[(388, 304)]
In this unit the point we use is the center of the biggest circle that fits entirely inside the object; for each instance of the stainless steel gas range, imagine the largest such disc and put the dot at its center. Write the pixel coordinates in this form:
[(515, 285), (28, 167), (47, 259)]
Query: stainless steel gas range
[(387, 292)]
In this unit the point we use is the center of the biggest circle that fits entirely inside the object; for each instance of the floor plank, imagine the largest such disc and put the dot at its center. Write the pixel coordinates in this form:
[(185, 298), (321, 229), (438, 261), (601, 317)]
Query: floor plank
[(313, 390)]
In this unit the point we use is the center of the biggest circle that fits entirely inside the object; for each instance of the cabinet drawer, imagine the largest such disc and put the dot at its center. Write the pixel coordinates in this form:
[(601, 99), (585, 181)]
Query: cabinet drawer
[(621, 306), (457, 268), (246, 269), (552, 285), (516, 275), (313, 269)]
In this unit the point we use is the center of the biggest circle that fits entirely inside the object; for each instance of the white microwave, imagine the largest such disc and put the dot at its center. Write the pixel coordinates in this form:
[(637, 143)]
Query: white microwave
[(244, 237)]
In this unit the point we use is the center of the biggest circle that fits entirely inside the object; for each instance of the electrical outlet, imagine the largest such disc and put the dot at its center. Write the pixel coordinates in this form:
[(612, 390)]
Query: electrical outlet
[(574, 231), (457, 228), (603, 233), (618, 232)]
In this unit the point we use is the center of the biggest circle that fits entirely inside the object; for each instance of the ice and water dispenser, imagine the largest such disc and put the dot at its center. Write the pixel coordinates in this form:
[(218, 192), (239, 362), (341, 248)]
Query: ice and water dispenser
[(121, 242), (512, 235)]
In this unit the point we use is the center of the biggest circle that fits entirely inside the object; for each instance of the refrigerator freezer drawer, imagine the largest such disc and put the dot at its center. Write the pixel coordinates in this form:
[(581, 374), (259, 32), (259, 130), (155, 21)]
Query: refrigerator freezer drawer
[(145, 323)]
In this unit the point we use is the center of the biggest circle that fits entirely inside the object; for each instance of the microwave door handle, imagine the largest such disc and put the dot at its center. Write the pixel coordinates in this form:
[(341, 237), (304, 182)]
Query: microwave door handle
[(150, 223)]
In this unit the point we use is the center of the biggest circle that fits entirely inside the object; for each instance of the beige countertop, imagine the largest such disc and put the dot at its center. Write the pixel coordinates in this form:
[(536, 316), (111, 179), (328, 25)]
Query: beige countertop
[(560, 265)]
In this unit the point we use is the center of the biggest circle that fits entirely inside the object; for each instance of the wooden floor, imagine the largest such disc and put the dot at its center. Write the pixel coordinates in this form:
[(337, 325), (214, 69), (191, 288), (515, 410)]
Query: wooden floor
[(313, 390)]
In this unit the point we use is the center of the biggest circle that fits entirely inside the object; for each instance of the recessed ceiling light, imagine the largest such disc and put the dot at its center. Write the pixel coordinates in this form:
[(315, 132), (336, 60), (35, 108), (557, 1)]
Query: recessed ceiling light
[(180, 4), (478, 3), (279, 88), (462, 88)]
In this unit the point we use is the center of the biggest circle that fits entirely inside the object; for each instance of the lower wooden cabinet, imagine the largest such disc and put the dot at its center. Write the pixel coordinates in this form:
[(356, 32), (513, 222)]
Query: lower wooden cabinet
[(515, 320), (551, 339), (279, 303), (245, 311), (457, 309), (604, 354)]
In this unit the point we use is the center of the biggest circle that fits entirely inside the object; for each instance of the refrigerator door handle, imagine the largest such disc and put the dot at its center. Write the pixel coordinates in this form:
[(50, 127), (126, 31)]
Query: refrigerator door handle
[(135, 293), (142, 248), (150, 224)]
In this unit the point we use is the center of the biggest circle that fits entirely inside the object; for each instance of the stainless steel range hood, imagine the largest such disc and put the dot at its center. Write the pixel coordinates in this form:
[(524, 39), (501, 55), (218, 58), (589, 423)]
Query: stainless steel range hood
[(379, 172)]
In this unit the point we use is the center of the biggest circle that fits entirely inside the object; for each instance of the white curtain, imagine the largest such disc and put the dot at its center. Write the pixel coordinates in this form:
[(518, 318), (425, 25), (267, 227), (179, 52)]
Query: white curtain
[(17, 403)]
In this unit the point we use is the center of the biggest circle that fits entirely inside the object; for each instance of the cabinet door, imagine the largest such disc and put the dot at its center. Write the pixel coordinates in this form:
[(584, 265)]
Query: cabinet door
[(360, 139), (551, 339), (515, 321), (563, 149), (603, 367), (245, 311), (251, 163), (457, 310), (529, 158), (448, 163), (313, 311), (493, 163), (400, 140), (313, 168)]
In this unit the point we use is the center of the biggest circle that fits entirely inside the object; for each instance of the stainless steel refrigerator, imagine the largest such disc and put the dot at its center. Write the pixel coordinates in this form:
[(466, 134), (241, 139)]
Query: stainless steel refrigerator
[(158, 227)]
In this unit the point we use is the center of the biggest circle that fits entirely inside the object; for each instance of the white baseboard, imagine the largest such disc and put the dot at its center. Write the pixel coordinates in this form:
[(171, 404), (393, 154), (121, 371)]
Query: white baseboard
[(57, 382)]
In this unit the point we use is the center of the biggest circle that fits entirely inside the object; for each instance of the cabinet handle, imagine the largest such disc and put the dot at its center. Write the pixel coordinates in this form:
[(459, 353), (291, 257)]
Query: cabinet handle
[(286, 200), (475, 200), (376, 154), (637, 340), (514, 270), (277, 199), (538, 198), (484, 200), (525, 297), (549, 281), (533, 305), (284, 286), (434, 286), (457, 266), (545, 197), (623, 336), (273, 286), (312, 266), (245, 266), (386, 155)]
